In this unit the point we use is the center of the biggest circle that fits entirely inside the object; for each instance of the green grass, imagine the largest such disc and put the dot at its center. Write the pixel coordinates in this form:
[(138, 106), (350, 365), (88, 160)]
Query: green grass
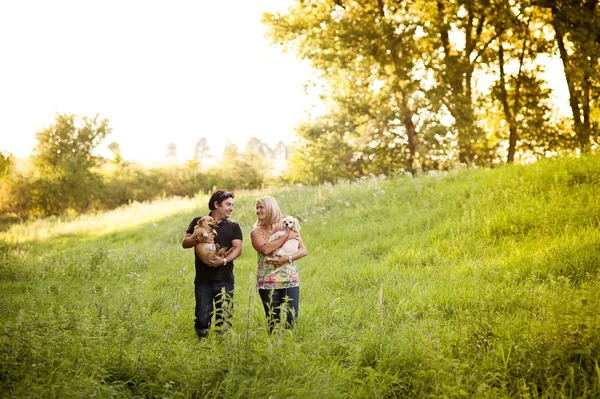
[(475, 283)]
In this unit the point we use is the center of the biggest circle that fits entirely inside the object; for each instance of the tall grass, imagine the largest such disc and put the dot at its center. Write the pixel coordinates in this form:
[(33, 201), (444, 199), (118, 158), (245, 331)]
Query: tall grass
[(474, 283)]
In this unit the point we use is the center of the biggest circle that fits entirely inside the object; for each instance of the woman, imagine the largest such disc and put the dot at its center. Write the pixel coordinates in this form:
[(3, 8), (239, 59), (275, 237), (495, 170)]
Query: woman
[(278, 282)]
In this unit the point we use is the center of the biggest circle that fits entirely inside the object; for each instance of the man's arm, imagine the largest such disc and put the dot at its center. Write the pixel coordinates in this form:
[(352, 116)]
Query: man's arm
[(188, 241), (237, 250)]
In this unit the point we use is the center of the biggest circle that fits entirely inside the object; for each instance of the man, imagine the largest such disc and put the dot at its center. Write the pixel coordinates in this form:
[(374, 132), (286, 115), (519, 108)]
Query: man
[(213, 284)]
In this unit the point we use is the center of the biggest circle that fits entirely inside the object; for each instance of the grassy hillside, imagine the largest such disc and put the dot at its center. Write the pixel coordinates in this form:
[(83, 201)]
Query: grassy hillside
[(475, 283)]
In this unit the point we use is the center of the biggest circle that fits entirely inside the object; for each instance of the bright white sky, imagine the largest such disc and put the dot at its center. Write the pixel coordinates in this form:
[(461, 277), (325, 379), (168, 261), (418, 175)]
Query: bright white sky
[(160, 71)]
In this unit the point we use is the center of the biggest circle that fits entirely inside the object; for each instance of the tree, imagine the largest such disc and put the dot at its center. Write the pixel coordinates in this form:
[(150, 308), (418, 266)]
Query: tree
[(63, 161), (7, 163), (255, 146), (69, 143), (321, 155), (230, 151), (366, 52), (576, 25), (115, 148), (522, 96), (281, 151), (460, 33), (202, 150), (240, 170), (172, 150)]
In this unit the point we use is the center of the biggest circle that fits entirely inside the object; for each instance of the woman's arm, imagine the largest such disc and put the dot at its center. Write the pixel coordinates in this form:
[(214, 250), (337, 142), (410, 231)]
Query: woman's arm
[(300, 253), (263, 247)]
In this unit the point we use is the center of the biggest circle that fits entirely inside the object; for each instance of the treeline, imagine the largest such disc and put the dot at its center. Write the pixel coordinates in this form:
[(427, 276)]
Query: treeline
[(419, 85), (63, 176)]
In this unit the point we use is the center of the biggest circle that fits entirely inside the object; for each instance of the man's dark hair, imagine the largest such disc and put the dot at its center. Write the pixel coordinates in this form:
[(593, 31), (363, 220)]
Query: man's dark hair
[(219, 196)]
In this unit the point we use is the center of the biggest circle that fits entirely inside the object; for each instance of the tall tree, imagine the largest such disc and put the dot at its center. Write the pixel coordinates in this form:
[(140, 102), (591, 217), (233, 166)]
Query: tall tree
[(172, 150), (366, 52), (281, 150), (460, 33), (576, 25), (63, 160), (256, 146), (230, 151), (69, 143), (115, 148), (7, 162), (523, 96), (241, 170), (8, 188), (322, 155), (202, 149)]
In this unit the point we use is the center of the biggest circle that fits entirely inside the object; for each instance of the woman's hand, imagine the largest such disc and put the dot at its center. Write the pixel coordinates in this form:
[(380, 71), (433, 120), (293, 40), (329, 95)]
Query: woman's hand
[(279, 261)]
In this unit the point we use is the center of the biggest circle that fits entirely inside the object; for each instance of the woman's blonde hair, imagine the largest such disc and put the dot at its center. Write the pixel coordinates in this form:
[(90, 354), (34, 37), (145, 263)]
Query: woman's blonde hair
[(272, 212)]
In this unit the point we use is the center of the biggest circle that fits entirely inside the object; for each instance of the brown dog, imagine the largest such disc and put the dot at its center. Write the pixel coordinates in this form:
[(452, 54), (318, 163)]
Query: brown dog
[(207, 249)]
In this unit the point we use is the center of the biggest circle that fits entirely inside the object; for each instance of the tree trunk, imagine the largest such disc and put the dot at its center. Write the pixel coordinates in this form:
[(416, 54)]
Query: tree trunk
[(411, 132), (581, 125), (460, 106), (573, 97), (405, 111), (512, 128), (584, 136)]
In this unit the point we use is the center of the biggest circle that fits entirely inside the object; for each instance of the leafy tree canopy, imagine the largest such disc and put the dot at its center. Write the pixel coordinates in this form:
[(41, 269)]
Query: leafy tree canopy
[(68, 143)]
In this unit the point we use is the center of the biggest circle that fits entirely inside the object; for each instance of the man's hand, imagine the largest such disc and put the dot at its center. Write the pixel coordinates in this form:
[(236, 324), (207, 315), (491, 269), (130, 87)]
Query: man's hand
[(215, 262)]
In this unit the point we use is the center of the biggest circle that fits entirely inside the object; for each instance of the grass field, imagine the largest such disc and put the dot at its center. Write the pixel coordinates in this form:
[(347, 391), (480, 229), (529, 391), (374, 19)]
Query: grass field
[(475, 283)]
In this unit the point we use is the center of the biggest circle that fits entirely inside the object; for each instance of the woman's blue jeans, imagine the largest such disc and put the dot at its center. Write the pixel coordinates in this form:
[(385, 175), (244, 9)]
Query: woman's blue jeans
[(281, 302), (212, 296)]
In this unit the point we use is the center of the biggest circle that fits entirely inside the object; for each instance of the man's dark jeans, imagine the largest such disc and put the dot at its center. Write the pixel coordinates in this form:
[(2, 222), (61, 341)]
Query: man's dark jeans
[(212, 296), (275, 300)]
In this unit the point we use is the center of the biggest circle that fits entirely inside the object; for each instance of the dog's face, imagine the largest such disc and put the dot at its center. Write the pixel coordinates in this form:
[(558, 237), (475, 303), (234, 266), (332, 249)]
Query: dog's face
[(207, 222), (290, 223)]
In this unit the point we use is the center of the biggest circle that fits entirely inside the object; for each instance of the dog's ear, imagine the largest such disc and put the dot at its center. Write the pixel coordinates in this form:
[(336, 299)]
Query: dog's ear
[(296, 225)]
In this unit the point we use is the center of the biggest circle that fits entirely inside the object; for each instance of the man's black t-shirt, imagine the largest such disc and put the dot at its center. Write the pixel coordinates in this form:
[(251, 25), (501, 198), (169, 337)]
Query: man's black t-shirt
[(227, 231)]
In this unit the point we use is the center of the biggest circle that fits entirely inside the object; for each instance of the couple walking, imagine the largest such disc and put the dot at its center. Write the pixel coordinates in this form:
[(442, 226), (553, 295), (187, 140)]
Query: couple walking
[(277, 278)]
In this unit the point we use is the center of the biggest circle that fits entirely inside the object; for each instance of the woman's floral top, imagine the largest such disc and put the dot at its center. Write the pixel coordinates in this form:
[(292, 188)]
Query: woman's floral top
[(270, 277)]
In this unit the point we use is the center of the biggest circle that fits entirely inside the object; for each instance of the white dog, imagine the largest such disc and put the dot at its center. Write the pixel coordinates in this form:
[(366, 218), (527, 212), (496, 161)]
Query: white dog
[(290, 247)]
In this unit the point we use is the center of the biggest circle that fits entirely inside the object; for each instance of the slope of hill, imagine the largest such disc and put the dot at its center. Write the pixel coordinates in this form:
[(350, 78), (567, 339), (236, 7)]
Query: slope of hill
[(476, 283)]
